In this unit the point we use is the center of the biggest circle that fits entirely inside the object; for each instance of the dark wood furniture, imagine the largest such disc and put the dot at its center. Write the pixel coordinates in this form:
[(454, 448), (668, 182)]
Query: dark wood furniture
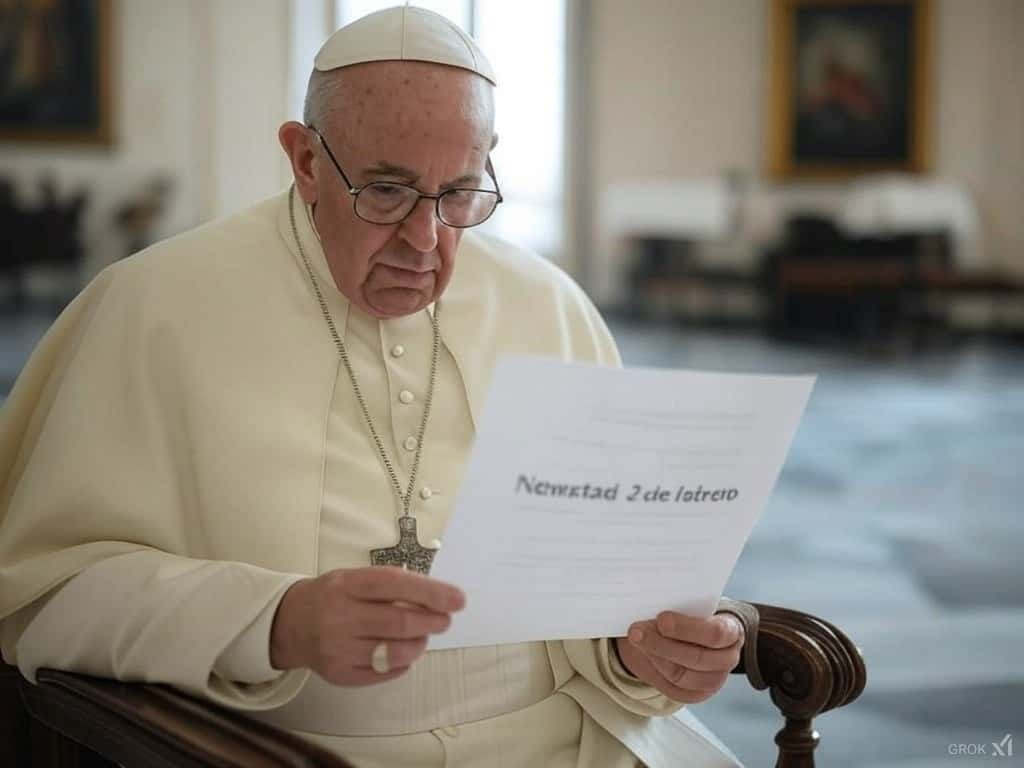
[(822, 282), (46, 234), (819, 281), (73, 721), (668, 280), (917, 299)]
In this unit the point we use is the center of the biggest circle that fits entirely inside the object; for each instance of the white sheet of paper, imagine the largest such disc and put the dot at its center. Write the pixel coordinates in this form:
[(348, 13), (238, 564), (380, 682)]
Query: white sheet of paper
[(596, 497)]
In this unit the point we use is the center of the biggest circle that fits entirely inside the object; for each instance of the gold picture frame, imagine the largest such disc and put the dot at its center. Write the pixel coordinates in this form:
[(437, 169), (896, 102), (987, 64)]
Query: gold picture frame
[(850, 88), (56, 71)]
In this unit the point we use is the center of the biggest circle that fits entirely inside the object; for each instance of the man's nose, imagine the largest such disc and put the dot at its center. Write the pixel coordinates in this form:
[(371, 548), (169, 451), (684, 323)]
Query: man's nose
[(420, 227)]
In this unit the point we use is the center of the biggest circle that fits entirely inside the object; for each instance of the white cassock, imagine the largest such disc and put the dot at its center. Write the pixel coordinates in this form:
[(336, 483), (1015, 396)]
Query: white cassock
[(185, 444)]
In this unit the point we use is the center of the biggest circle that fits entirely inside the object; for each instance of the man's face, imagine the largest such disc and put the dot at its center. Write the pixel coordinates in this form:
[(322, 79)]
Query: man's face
[(426, 125)]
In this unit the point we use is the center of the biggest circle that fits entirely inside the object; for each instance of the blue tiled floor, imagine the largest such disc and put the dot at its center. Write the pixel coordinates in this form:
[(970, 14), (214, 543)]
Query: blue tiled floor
[(897, 517)]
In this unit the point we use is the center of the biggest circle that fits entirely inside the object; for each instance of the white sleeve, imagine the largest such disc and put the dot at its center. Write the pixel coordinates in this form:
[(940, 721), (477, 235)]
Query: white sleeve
[(202, 626), (247, 658), (595, 660)]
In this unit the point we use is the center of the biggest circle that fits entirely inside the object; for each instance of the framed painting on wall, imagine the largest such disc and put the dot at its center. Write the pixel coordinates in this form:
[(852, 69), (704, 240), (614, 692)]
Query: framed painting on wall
[(850, 87), (55, 71)]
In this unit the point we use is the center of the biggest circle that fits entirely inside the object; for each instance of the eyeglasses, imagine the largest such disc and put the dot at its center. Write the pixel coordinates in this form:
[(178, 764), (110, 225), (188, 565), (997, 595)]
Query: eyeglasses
[(389, 202)]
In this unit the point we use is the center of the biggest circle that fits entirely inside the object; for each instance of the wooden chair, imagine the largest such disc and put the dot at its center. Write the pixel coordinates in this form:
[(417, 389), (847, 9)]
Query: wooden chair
[(74, 721)]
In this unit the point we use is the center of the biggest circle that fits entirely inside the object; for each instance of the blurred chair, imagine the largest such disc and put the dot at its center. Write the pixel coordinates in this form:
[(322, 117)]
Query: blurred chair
[(669, 221), (42, 236), (820, 280), (890, 205)]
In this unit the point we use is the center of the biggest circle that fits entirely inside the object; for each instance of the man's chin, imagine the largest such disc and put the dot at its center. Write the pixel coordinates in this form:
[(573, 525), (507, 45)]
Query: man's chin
[(396, 302)]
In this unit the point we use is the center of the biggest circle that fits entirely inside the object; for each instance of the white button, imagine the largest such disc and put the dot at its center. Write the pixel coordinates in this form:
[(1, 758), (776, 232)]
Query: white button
[(435, 544), (410, 443), (406, 396), (425, 493), (397, 351)]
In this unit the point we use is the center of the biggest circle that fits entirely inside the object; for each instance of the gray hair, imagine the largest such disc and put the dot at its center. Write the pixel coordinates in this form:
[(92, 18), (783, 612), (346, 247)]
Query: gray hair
[(322, 98)]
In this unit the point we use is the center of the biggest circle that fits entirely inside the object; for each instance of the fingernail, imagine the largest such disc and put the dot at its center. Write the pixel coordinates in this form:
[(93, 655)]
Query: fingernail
[(733, 626), (636, 635)]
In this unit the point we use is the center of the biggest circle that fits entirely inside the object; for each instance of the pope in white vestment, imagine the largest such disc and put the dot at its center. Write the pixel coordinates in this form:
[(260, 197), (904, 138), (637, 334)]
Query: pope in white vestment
[(185, 446)]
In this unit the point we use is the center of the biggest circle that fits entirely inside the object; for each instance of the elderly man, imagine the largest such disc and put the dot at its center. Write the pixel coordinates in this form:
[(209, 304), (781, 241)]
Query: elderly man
[(209, 457)]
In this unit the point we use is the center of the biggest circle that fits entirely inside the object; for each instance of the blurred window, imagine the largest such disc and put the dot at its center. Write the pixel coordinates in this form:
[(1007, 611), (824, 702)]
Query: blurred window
[(530, 117)]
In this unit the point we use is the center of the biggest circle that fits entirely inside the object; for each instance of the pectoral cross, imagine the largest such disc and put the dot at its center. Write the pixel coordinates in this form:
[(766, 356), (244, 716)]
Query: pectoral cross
[(408, 553)]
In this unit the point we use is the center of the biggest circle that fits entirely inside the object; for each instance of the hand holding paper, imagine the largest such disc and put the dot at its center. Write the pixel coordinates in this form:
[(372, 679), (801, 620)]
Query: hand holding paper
[(595, 497), (686, 658)]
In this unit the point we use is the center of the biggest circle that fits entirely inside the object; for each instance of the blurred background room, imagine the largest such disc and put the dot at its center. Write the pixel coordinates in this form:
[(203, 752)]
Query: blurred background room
[(774, 186)]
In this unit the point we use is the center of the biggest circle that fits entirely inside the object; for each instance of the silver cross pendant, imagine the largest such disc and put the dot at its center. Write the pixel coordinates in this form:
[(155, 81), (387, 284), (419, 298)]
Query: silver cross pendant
[(408, 553)]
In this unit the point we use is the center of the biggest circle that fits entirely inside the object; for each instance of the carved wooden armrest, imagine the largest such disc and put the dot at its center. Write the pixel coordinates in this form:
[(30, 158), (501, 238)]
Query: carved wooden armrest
[(153, 726), (808, 665)]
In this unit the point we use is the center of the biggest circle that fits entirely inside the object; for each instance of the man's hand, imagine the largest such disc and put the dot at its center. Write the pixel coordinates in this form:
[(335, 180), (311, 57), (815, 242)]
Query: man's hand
[(687, 659), (331, 624)]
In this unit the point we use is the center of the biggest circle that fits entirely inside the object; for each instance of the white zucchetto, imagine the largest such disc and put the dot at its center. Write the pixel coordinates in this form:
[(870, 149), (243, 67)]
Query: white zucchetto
[(403, 33)]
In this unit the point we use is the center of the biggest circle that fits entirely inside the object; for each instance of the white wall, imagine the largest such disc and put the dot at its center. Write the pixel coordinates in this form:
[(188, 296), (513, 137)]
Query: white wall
[(249, 62), (677, 88), (201, 88)]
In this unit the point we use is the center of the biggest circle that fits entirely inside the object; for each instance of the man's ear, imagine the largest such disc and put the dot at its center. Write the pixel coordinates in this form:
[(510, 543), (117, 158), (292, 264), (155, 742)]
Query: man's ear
[(296, 140), (494, 141)]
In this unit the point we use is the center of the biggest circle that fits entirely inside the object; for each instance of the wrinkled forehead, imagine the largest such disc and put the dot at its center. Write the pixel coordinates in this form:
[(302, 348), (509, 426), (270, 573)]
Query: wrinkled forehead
[(383, 102), (400, 88)]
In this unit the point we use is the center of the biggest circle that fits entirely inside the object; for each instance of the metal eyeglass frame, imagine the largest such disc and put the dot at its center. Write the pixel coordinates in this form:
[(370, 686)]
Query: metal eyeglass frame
[(354, 191)]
